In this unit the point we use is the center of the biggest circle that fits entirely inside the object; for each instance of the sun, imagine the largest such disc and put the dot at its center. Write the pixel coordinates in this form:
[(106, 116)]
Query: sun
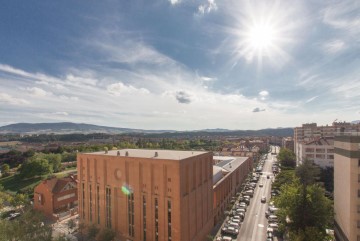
[(261, 37), (262, 32)]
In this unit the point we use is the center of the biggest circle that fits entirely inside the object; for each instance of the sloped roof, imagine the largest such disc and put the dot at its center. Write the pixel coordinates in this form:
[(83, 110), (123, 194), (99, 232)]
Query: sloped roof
[(56, 185)]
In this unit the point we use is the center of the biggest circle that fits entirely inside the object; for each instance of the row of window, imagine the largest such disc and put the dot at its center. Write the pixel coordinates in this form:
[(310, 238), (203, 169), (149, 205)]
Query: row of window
[(131, 211)]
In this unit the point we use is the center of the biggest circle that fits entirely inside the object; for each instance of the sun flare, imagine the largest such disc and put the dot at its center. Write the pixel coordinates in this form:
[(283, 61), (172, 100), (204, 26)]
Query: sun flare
[(261, 37), (263, 32)]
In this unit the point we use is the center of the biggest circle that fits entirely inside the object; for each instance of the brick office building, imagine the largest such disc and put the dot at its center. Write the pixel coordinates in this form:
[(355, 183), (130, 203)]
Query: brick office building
[(154, 195), (56, 197), (228, 175)]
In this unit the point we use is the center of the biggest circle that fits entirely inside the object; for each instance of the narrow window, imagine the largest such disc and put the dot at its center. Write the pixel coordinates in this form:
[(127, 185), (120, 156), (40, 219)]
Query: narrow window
[(90, 203), (169, 220), (144, 218), (131, 214), (98, 203), (156, 220), (83, 200), (108, 207)]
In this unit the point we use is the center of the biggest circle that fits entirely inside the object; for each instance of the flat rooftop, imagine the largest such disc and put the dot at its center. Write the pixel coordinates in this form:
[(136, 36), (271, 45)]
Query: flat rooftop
[(229, 163), (141, 153)]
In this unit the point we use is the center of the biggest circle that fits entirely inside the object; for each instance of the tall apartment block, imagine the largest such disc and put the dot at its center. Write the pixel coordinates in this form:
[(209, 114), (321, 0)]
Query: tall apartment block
[(347, 188), (315, 142), (148, 195)]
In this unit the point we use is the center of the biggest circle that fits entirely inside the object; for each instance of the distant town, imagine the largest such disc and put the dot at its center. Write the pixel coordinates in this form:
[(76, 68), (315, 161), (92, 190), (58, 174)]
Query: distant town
[(180, 186)]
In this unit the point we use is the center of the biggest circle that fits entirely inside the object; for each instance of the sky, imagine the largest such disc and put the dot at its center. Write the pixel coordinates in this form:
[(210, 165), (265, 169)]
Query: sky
[(180, 64)]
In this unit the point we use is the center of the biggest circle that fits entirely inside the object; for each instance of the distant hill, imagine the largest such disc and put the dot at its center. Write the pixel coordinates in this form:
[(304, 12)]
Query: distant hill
[(69, 127), (65, 128)]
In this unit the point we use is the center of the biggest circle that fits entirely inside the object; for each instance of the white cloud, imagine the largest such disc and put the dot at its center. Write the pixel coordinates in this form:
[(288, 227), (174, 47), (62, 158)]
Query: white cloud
[(205, 78), (38, 92), (120, 88), (64, 97), (174, 2), (334, 46), (311, 99), (343, 15), (61, 113), (6, 98), (263, 94), (207, 7)]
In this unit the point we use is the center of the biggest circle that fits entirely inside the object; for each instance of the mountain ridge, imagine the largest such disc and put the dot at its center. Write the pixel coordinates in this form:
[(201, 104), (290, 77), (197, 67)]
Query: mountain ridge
[(70, 127)]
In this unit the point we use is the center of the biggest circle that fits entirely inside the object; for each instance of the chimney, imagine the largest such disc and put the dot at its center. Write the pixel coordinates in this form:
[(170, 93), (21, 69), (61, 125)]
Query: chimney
[(126, 153), (156, 154), (118, 153)]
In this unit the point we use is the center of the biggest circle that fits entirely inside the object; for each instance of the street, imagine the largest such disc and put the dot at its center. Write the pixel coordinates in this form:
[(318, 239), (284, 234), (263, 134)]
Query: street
[(254, 226), (255, 223)]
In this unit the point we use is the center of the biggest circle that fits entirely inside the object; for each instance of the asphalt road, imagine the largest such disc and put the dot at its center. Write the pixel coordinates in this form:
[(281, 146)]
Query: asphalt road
[(255, 223)]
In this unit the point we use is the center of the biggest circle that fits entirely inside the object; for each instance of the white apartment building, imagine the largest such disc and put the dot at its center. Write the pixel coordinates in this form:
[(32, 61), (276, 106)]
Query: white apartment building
[(305, 136), (320, 151)]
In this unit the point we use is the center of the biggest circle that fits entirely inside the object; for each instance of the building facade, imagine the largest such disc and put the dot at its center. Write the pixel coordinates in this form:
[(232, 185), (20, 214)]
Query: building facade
[(319, 151), (57, 197), (148, 195), (311, 131), (347, 188), (288, 142), (228, 175)]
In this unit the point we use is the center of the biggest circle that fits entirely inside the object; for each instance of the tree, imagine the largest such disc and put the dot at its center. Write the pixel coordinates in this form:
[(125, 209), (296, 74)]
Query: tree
[(82, 227), (71, 224), (19, 200), (35, 167), (284, 177), (307, 172), (304, 217), (28, 227), (92, 231), (106, 235), (287, 158), (5, 168)]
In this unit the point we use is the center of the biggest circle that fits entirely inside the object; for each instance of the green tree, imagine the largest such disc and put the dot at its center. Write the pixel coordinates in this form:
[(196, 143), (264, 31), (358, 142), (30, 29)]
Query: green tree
[(304, 216), (36, 167), (71, 224), (106, 235), (287, 158), (28, 227), (307, 172), (19, 200), (92, 231), (284, 177), (5, 168)]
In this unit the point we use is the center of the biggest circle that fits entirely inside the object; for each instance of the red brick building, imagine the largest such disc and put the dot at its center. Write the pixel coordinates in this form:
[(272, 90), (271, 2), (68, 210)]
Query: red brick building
[(56, 197)]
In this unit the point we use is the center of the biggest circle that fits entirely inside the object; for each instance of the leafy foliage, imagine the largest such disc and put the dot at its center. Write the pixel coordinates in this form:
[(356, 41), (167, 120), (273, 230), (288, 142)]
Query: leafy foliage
[(287, 158), (106, 235), (304, 209), (28, 227), (35, 167)]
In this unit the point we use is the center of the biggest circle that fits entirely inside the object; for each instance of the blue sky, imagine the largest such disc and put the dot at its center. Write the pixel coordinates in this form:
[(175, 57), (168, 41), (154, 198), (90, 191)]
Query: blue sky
[(180, 64)]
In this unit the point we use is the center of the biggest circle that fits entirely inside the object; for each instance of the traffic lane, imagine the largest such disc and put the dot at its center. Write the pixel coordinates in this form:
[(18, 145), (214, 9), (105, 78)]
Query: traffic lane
[(255, 222)]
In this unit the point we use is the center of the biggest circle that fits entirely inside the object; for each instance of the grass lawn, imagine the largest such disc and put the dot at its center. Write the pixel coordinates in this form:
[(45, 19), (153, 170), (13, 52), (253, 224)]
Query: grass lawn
[(13, 184)]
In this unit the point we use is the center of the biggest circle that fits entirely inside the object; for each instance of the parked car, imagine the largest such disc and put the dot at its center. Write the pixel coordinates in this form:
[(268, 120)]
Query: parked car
[(225, 238), (274, 226), (263, 199), (261, 184), (230, 230), (273, 218), (250, 193)]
